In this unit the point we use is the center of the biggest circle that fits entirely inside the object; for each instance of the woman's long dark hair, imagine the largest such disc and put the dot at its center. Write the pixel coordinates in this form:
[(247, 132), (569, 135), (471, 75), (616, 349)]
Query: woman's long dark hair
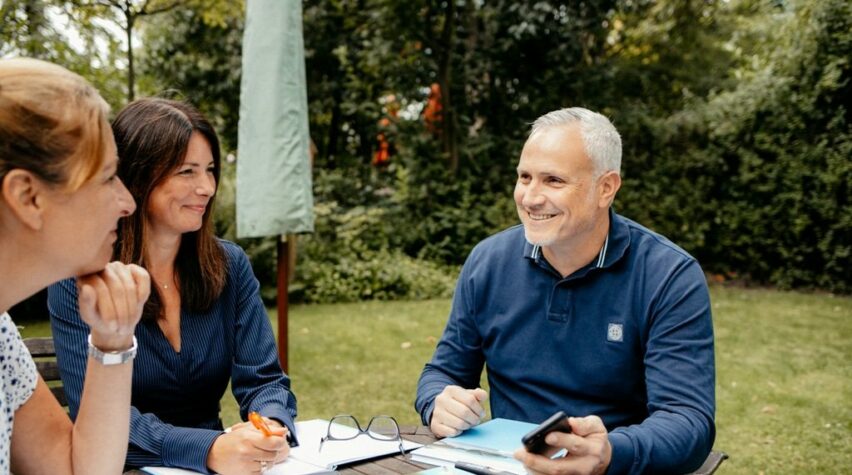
[(152, 136)]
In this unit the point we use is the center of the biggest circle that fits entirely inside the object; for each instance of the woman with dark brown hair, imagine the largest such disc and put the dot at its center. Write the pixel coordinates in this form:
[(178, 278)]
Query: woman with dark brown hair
[(59, 204), (204, 326)]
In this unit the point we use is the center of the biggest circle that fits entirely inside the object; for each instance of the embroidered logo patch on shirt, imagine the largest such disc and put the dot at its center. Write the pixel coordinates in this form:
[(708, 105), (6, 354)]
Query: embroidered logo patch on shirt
[(615, 332)]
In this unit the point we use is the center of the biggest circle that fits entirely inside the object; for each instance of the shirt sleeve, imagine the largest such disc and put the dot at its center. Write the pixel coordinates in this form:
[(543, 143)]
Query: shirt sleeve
[(152, 442), (258, 382), (680, 381), (458, 358)]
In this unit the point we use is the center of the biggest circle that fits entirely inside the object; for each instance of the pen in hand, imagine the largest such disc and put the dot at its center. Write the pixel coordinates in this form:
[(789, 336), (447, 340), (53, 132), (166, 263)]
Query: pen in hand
[(260, 424)]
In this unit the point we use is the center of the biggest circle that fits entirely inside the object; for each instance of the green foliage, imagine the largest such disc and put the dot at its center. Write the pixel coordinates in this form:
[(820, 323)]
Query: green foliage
[(39, 29), (734, 117), (194, 54), (351, 256), (757, 179)]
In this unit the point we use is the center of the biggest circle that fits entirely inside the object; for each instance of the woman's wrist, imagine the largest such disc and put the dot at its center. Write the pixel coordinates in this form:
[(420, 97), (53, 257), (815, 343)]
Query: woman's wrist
[(111, 343), (112, 357)]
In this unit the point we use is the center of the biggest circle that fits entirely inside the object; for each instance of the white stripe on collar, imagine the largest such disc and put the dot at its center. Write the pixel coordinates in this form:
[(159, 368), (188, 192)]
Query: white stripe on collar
[(602, 255)]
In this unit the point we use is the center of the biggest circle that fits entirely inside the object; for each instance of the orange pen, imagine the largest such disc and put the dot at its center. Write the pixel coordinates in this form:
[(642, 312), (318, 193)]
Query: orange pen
[(259, 423)]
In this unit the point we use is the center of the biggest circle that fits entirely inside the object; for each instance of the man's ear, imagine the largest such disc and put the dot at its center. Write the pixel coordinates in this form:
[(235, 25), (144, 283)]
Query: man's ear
[(23, 193), (608, 185)]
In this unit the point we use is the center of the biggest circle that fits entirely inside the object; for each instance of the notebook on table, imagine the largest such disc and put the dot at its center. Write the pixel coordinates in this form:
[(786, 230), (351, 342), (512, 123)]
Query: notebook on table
[(308, 459)]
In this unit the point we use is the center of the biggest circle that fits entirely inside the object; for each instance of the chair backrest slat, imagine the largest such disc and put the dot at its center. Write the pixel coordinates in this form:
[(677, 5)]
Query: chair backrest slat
[(44, 354)]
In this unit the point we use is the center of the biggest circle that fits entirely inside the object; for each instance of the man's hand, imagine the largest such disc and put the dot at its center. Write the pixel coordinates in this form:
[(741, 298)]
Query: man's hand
[(589, 451), (243, 449), (457, 409), (111, 303)]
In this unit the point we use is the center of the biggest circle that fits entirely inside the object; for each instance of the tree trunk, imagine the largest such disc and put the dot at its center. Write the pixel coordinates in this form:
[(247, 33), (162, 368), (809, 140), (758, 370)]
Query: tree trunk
[(449, 123), (131, 74)]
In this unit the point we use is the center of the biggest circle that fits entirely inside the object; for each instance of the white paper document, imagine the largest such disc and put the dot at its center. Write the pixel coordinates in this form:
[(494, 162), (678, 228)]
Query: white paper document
[(307, 458)]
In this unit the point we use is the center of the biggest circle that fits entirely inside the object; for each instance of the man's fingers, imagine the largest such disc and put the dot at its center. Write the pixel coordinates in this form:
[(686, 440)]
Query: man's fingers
[(443, 430), (574, 444), (481, 396), (535, 463), (466, 406), (467, 415), (584, 426)]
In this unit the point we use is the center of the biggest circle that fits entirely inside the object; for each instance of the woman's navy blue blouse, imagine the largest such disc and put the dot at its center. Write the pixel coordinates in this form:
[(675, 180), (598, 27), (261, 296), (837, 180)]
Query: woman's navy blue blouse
[(175, 401)]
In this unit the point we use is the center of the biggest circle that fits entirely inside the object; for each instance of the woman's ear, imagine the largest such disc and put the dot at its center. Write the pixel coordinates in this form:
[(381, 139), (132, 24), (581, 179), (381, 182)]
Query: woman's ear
[(24, 195), (608, 184)]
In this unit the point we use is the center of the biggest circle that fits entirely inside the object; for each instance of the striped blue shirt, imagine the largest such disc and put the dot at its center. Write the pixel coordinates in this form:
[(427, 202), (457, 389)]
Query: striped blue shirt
[(175, 399)]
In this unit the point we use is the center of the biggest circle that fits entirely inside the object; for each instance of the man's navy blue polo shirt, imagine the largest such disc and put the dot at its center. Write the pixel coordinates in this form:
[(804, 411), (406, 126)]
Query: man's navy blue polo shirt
[(628, 337)]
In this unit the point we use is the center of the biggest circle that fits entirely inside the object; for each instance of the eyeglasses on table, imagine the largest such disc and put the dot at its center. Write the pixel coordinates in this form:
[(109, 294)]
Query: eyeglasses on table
[(346, 427)]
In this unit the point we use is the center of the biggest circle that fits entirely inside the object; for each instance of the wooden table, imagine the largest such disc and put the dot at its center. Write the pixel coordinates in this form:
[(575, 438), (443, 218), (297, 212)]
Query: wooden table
[(422, 435), (394, 464)]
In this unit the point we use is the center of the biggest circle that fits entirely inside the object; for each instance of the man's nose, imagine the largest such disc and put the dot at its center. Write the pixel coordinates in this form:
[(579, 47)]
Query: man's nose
[(532, 196)]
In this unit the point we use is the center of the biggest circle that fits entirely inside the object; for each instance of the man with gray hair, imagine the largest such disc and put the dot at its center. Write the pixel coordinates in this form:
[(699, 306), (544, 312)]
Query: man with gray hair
[(581, 310)]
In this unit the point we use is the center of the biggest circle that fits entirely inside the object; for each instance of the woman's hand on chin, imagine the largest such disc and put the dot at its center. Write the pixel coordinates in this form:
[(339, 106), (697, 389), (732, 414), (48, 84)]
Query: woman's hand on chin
[(111, 303)]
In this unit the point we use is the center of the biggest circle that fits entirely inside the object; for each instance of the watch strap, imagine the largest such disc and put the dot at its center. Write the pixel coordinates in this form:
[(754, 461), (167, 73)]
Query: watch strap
[(109, 358)]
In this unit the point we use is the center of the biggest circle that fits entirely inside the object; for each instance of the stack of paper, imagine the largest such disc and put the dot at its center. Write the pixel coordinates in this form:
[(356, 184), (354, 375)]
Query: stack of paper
[(490, 444), (307, 457)]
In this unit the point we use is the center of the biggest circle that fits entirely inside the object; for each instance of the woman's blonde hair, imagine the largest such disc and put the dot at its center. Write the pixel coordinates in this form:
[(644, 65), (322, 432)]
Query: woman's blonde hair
[(52, 123)]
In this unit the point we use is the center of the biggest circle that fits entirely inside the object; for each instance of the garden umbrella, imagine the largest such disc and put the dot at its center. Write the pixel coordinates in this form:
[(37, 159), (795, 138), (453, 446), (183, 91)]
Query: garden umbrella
[(274, 196)]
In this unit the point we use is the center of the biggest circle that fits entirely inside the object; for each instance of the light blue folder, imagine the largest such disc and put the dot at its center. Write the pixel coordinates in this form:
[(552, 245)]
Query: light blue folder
[(502, 435)]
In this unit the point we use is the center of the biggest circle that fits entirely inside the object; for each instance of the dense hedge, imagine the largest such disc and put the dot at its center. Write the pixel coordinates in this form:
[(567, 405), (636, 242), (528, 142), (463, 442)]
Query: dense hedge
[(755, 182)]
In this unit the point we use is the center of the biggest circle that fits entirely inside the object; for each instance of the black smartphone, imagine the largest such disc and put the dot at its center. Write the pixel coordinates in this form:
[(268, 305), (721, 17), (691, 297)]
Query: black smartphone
[(534, 440)]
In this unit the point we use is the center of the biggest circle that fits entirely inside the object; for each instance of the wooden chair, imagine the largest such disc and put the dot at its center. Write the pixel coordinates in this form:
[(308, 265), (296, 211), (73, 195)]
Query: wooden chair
[(44, 354)]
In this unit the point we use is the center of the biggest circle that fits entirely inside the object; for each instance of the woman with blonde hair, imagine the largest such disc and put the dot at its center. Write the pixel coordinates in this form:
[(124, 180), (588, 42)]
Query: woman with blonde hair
[(60, 202)]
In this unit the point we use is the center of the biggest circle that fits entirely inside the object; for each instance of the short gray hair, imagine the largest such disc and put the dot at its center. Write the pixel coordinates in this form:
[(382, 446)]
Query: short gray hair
[(600, 139)]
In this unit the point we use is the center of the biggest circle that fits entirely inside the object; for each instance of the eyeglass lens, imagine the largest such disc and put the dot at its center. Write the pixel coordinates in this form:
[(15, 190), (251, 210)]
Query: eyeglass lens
[(343, 428), (383, 428)]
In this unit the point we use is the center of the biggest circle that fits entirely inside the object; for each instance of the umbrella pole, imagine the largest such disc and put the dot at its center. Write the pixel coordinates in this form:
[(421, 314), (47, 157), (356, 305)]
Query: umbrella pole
[(283, 278)]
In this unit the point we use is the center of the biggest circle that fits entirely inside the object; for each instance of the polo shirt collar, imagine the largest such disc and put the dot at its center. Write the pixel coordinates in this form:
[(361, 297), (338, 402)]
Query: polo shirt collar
[(615, 245)]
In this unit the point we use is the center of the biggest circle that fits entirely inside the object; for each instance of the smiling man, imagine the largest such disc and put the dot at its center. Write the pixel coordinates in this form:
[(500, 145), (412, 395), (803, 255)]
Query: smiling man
[(581, 310)]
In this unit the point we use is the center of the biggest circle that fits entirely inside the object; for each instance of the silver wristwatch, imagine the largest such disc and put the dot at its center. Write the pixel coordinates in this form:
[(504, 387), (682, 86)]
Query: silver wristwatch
[(109, 358)]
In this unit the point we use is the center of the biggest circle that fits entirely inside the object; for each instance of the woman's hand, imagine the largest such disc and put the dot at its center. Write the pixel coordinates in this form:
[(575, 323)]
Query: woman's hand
[(111, 303), (243, 449)]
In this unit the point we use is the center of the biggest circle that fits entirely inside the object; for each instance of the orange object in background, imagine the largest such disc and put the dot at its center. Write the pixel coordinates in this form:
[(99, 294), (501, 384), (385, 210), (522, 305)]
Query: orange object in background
[(382, 155), (433, 112)]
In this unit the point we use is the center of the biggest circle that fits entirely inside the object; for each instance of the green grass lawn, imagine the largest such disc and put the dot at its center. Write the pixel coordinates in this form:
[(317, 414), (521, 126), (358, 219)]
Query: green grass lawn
[(784, 371)]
